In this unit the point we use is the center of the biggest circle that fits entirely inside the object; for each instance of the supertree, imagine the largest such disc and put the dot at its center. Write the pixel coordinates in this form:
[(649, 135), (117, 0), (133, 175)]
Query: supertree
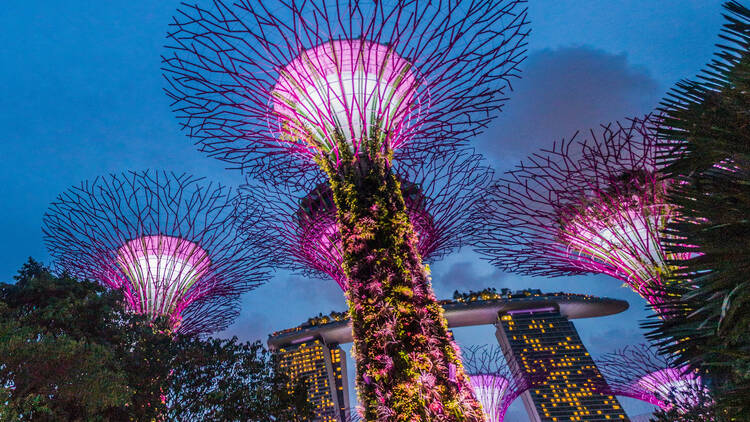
[(642, 373), (494, 382), (596, 205), (352, 416), (168, 241), (348, 88), (297, 226)]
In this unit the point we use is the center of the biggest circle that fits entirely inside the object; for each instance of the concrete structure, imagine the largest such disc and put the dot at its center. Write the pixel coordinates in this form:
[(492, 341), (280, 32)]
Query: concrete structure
[(323, 334), (541, 340), (323, 367)]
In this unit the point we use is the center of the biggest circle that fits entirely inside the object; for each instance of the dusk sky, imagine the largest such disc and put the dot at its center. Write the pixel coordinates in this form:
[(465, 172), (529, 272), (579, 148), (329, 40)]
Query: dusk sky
[(81, 95)]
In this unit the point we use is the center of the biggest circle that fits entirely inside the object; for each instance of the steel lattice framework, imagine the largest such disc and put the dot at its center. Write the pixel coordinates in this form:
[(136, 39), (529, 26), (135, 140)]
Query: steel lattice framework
[(595, 205), (494, 382), (285, 89), (640, 372), (270, 86), (168, 241), (297, 226)]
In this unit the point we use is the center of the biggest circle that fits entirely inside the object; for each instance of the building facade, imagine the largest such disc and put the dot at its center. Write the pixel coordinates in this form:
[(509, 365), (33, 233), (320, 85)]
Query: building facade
[(323, 367), (543, 343), (311, 350)]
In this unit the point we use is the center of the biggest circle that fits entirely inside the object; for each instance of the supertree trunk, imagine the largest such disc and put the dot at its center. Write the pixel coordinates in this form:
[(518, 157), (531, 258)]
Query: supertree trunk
[(409, 368), (276, 87)]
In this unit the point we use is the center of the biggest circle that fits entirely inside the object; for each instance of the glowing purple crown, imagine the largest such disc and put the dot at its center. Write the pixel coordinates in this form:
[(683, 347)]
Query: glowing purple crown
[(347, 90), (597, 205), (617, 231), (168, 241), (319, 240), (642, 373), (274, 85), (160, 272), (496, 385), (491, 390), (297, 226), (670, 387)]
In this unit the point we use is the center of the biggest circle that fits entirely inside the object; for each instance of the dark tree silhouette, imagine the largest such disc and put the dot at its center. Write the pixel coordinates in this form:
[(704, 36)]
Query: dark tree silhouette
[(707, 142)]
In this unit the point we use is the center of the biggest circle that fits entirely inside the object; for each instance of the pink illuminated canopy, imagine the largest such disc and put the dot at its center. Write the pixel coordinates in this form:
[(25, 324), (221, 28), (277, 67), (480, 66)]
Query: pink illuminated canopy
[(346, 90), (621, 239), (643, 373), (670, 387), (160, 270), (168, 241), (593, 205), (491, 390)]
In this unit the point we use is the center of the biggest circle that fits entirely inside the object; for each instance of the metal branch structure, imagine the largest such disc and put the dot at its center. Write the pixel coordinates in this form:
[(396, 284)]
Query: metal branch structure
[(640, 372), (595, 205), (352, 416), (297, 227), (256, 83), (285, 89), (494, 382), (168, 241)]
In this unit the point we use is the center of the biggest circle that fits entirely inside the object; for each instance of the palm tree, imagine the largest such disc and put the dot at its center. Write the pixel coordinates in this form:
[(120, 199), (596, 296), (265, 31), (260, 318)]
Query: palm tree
[(706, 139)]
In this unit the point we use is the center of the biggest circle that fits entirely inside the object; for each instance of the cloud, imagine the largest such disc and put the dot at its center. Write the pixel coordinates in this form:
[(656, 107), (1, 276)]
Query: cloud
[(286, 301), (614, 339), (324, 292), (565, 90), (464, 275), (249, 326)]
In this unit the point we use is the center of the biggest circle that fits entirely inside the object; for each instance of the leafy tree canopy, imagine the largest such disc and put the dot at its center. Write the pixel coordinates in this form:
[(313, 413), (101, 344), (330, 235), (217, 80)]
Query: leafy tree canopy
[(69, 351)]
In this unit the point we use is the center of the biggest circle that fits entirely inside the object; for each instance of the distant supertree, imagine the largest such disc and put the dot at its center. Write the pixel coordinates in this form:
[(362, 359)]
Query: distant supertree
[(167, 241), (585, 206), (291, 88), (297, 226), (352, 415), (494, 382), (640, 372)]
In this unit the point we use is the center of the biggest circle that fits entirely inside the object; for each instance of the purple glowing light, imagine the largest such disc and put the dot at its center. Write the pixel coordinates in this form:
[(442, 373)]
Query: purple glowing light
[(160, 271), (597, 205), (496, 385), (670, 387), (642, 373), (167, 241), (621, 240), (297, 226), (269, 86), (349, 88), (320, 241), (491, 391)]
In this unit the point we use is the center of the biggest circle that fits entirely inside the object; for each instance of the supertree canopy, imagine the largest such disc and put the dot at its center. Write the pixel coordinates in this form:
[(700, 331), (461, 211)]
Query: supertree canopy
[(494, 382), (314, 80), (298, 227), (168, 241), (596, 205), (640, 372), (349, 87)]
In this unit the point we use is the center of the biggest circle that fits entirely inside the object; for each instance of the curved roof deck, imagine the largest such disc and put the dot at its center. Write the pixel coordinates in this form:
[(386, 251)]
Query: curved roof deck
[(467, 313)]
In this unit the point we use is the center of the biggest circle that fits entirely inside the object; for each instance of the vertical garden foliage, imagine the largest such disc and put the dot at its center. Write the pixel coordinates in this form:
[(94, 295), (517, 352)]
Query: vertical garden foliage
[(409, 368)]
